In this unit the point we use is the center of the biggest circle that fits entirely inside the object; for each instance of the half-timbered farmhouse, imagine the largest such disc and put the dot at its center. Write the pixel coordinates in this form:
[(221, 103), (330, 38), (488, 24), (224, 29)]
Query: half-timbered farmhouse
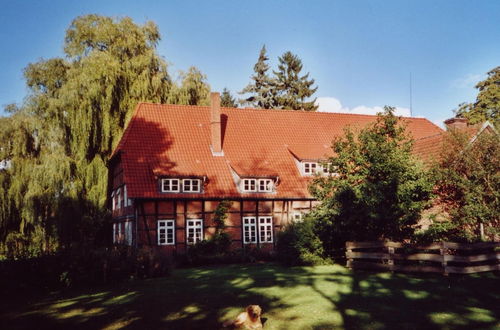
[(174, 164)]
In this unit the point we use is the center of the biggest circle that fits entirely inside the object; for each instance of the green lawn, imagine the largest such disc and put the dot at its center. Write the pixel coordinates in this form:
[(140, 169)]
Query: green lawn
[(325, 297)]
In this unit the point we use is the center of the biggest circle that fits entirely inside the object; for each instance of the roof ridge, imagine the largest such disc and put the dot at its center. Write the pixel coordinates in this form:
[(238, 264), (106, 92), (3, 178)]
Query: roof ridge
[(282, 110)]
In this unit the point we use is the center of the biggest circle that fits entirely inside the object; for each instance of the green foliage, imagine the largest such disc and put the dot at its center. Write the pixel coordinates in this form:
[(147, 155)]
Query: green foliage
[(193, 89), (487, 105), (227, 100), (469, 184), (298, 244), (82, 266), (439, 231), (59, 141), (293, 89), (377, 190), (220, 242)]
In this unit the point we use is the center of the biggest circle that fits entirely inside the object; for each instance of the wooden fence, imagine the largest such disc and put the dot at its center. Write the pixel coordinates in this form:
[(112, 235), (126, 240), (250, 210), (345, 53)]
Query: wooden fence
[(442, 257)]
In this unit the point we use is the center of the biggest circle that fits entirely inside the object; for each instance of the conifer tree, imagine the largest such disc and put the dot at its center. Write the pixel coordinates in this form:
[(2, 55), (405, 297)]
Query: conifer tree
[(293, 90), (262, 88), (227, 100)]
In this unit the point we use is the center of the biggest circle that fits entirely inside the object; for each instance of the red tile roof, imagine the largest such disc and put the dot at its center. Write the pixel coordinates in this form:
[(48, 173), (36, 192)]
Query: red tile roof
[(171, 140), (430, 148)]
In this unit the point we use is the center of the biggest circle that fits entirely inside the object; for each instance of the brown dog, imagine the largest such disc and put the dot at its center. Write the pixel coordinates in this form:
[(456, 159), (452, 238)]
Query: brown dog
[(249, 319)]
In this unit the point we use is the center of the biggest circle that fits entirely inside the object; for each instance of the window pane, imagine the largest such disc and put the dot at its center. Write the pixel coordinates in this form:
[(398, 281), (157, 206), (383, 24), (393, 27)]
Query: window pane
[(166, 229), (265, 229), (249, 230), (194, 231)]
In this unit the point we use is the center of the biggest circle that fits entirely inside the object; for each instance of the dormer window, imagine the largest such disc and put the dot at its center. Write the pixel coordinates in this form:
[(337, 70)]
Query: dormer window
[(257, 185), (191, 185), (249, 185), (266, 185), (176, 185), (310, 168), (170, 185)]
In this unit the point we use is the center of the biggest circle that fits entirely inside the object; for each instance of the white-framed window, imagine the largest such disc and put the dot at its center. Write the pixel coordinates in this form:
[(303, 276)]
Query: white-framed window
[(249, 185), (170, 185), (126, 200), (166, 232), (191, 185), (128, 232), (310, 167), (113, 206), (266, 229), (265, 185), (120, 232), (118, 196), (257, 185), (194, 231), (249, 230), (117, 233)]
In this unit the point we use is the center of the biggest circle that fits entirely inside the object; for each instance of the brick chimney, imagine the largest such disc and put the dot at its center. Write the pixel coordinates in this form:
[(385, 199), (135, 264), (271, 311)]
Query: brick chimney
[(215, 125), (456, 123)]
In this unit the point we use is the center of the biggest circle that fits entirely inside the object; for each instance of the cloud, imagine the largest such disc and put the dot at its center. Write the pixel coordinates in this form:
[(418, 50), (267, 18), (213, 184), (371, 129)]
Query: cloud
[(331, 104), (468, 81)]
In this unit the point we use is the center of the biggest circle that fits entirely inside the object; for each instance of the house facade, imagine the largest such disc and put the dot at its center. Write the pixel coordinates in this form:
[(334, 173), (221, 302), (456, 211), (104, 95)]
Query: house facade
[(174, 164)]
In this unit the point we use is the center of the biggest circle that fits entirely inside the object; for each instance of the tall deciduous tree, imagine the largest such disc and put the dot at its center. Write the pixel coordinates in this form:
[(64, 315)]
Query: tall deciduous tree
[(58, 142), (262, 88), (377, 190), (468, 186), (227, 100), (487, 105), (293, 89)]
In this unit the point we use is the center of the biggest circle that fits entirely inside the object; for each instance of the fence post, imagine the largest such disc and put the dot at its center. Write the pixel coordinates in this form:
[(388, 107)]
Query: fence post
[(390, 249), (443, 253)]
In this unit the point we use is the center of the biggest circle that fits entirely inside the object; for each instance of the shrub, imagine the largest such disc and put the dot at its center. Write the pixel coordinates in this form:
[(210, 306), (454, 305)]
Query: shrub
[(82, 266), (216, 249), (298, 244)]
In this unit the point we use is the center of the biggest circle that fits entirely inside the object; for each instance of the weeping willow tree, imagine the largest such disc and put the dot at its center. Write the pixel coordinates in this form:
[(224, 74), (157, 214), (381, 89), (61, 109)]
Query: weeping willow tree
[(55, 146), (193, 89)]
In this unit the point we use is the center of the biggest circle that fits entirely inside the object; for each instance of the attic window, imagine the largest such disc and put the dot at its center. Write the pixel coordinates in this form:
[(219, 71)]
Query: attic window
[(265, 185), (257, 185), (310, 167), (177, 185), (191, 185), (249, 185), (170, 185)]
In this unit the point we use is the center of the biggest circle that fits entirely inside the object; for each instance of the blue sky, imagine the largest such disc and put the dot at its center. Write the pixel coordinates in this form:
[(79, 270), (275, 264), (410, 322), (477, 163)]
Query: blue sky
[(360, 53)]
